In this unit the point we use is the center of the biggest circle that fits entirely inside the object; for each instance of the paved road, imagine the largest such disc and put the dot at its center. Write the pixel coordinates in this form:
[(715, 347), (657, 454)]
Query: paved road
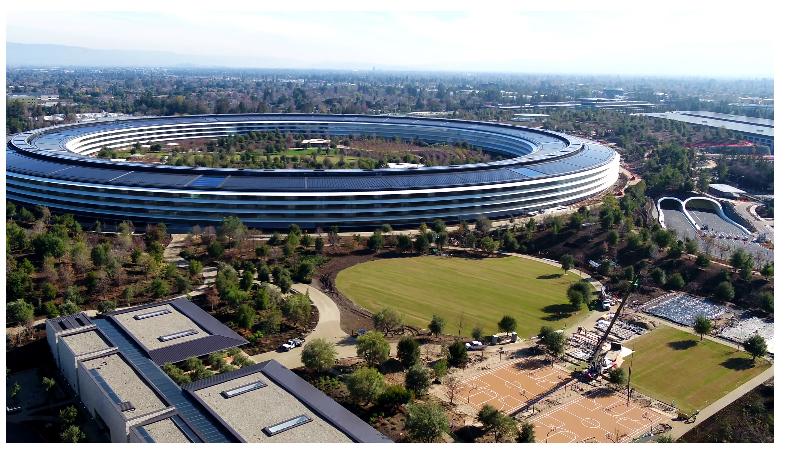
[(716, 247), (714, 222)]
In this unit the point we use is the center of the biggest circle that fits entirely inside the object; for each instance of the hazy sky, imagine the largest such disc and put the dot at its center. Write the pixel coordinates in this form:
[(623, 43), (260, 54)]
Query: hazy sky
[(665, 40)]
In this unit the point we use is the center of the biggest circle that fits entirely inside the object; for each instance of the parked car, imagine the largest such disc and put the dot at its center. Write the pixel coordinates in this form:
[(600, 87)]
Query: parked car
[(474, 346), (286, 347), (296, 342)]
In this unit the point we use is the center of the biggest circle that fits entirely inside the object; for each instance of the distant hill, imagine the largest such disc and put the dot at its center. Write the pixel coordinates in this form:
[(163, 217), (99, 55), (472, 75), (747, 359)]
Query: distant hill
[(55, 55), (19, 55)]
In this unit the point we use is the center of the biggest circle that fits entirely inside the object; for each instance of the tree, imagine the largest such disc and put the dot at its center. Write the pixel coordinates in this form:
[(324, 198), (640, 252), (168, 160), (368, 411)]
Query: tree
[(376, 241), (421, 244), (457, 354), (403, 243), (297, 307), (507, 324), (106, 306), (526, 433), (408, 351), (488, 245), (373, 348), (20, 312), (418, 380), (365, 384), (702, 260), (426, 422), (319, 355), (554, 342), (675, 281), (658, 276), (72, 434), (477, 332), (617, 376), (576, 299), (702, 326), (452, 386), (393, 397), (159, 288), (756, 346), (765, 301), (232, 229), (48, 383), (724, 291), (768, 270), (68, 415), (247, 280), (388, 320), (566, 262), (245, 316), (437, 325), (215, 249), (440, 369), (503, 427)]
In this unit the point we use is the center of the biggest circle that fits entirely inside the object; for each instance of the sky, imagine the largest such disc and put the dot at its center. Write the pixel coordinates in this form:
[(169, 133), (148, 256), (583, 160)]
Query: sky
[(703, 39)]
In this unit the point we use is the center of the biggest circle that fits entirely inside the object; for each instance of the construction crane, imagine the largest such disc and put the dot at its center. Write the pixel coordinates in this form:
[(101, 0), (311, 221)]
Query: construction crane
[(596, 359)]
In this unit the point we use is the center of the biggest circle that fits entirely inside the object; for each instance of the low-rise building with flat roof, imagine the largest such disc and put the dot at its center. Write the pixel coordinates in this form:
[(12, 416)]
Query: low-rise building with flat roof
[(267, 403), (114, 364), (174, 330), (117, 395)]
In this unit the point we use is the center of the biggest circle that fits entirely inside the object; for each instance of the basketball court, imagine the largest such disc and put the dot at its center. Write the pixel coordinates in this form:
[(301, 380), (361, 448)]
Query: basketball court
[(600, 416), (510, 386)]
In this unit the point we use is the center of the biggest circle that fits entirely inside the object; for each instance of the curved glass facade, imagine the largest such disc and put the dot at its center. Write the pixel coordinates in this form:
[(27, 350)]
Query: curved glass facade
[(52, 167)]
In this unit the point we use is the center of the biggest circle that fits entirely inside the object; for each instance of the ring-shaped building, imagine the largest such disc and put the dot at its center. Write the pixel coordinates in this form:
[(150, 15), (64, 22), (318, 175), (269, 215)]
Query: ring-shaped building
[(55, 167)]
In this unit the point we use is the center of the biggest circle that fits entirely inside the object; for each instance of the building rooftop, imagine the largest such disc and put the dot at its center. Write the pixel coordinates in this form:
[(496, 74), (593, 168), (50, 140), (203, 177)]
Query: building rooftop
[(726, 188), (160, 326), (86, 342), (166, 428), (250, 412), (743, 124), (71, 322), (122, 384), (174, 330), (266, 403)]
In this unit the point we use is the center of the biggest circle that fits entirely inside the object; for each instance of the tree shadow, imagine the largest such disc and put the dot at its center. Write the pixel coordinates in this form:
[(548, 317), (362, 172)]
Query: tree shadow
[(738, 363), (682, 345), (557, 311), (551, 276)]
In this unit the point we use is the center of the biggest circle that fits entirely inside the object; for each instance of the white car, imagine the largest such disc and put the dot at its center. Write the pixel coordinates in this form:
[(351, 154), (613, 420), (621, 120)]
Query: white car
[(286, 347), (474, 345)]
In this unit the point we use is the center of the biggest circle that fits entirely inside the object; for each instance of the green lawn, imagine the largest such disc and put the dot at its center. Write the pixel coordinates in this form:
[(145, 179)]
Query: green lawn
[(672, 365), (477, 292)]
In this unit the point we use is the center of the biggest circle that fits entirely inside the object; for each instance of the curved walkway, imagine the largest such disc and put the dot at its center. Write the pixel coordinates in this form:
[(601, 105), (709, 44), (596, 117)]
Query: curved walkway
[(328, 327)]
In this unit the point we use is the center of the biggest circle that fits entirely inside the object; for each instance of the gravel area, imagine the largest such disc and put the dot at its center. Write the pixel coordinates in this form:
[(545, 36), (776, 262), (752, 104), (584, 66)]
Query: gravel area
[(85, 342), (148, 330), (165, 431), (127, 385)]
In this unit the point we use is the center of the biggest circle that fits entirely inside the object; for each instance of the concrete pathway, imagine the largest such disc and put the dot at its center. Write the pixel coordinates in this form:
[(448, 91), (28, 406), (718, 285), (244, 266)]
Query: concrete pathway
[(172, 250), (328, 328)]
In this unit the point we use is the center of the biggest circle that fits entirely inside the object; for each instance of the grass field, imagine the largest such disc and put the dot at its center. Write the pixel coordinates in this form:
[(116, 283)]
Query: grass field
[(477, 292), (669, 364)]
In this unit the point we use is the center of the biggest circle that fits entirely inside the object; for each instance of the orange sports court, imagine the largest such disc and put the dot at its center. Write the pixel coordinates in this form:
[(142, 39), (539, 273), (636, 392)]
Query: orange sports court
[(570, 415)]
